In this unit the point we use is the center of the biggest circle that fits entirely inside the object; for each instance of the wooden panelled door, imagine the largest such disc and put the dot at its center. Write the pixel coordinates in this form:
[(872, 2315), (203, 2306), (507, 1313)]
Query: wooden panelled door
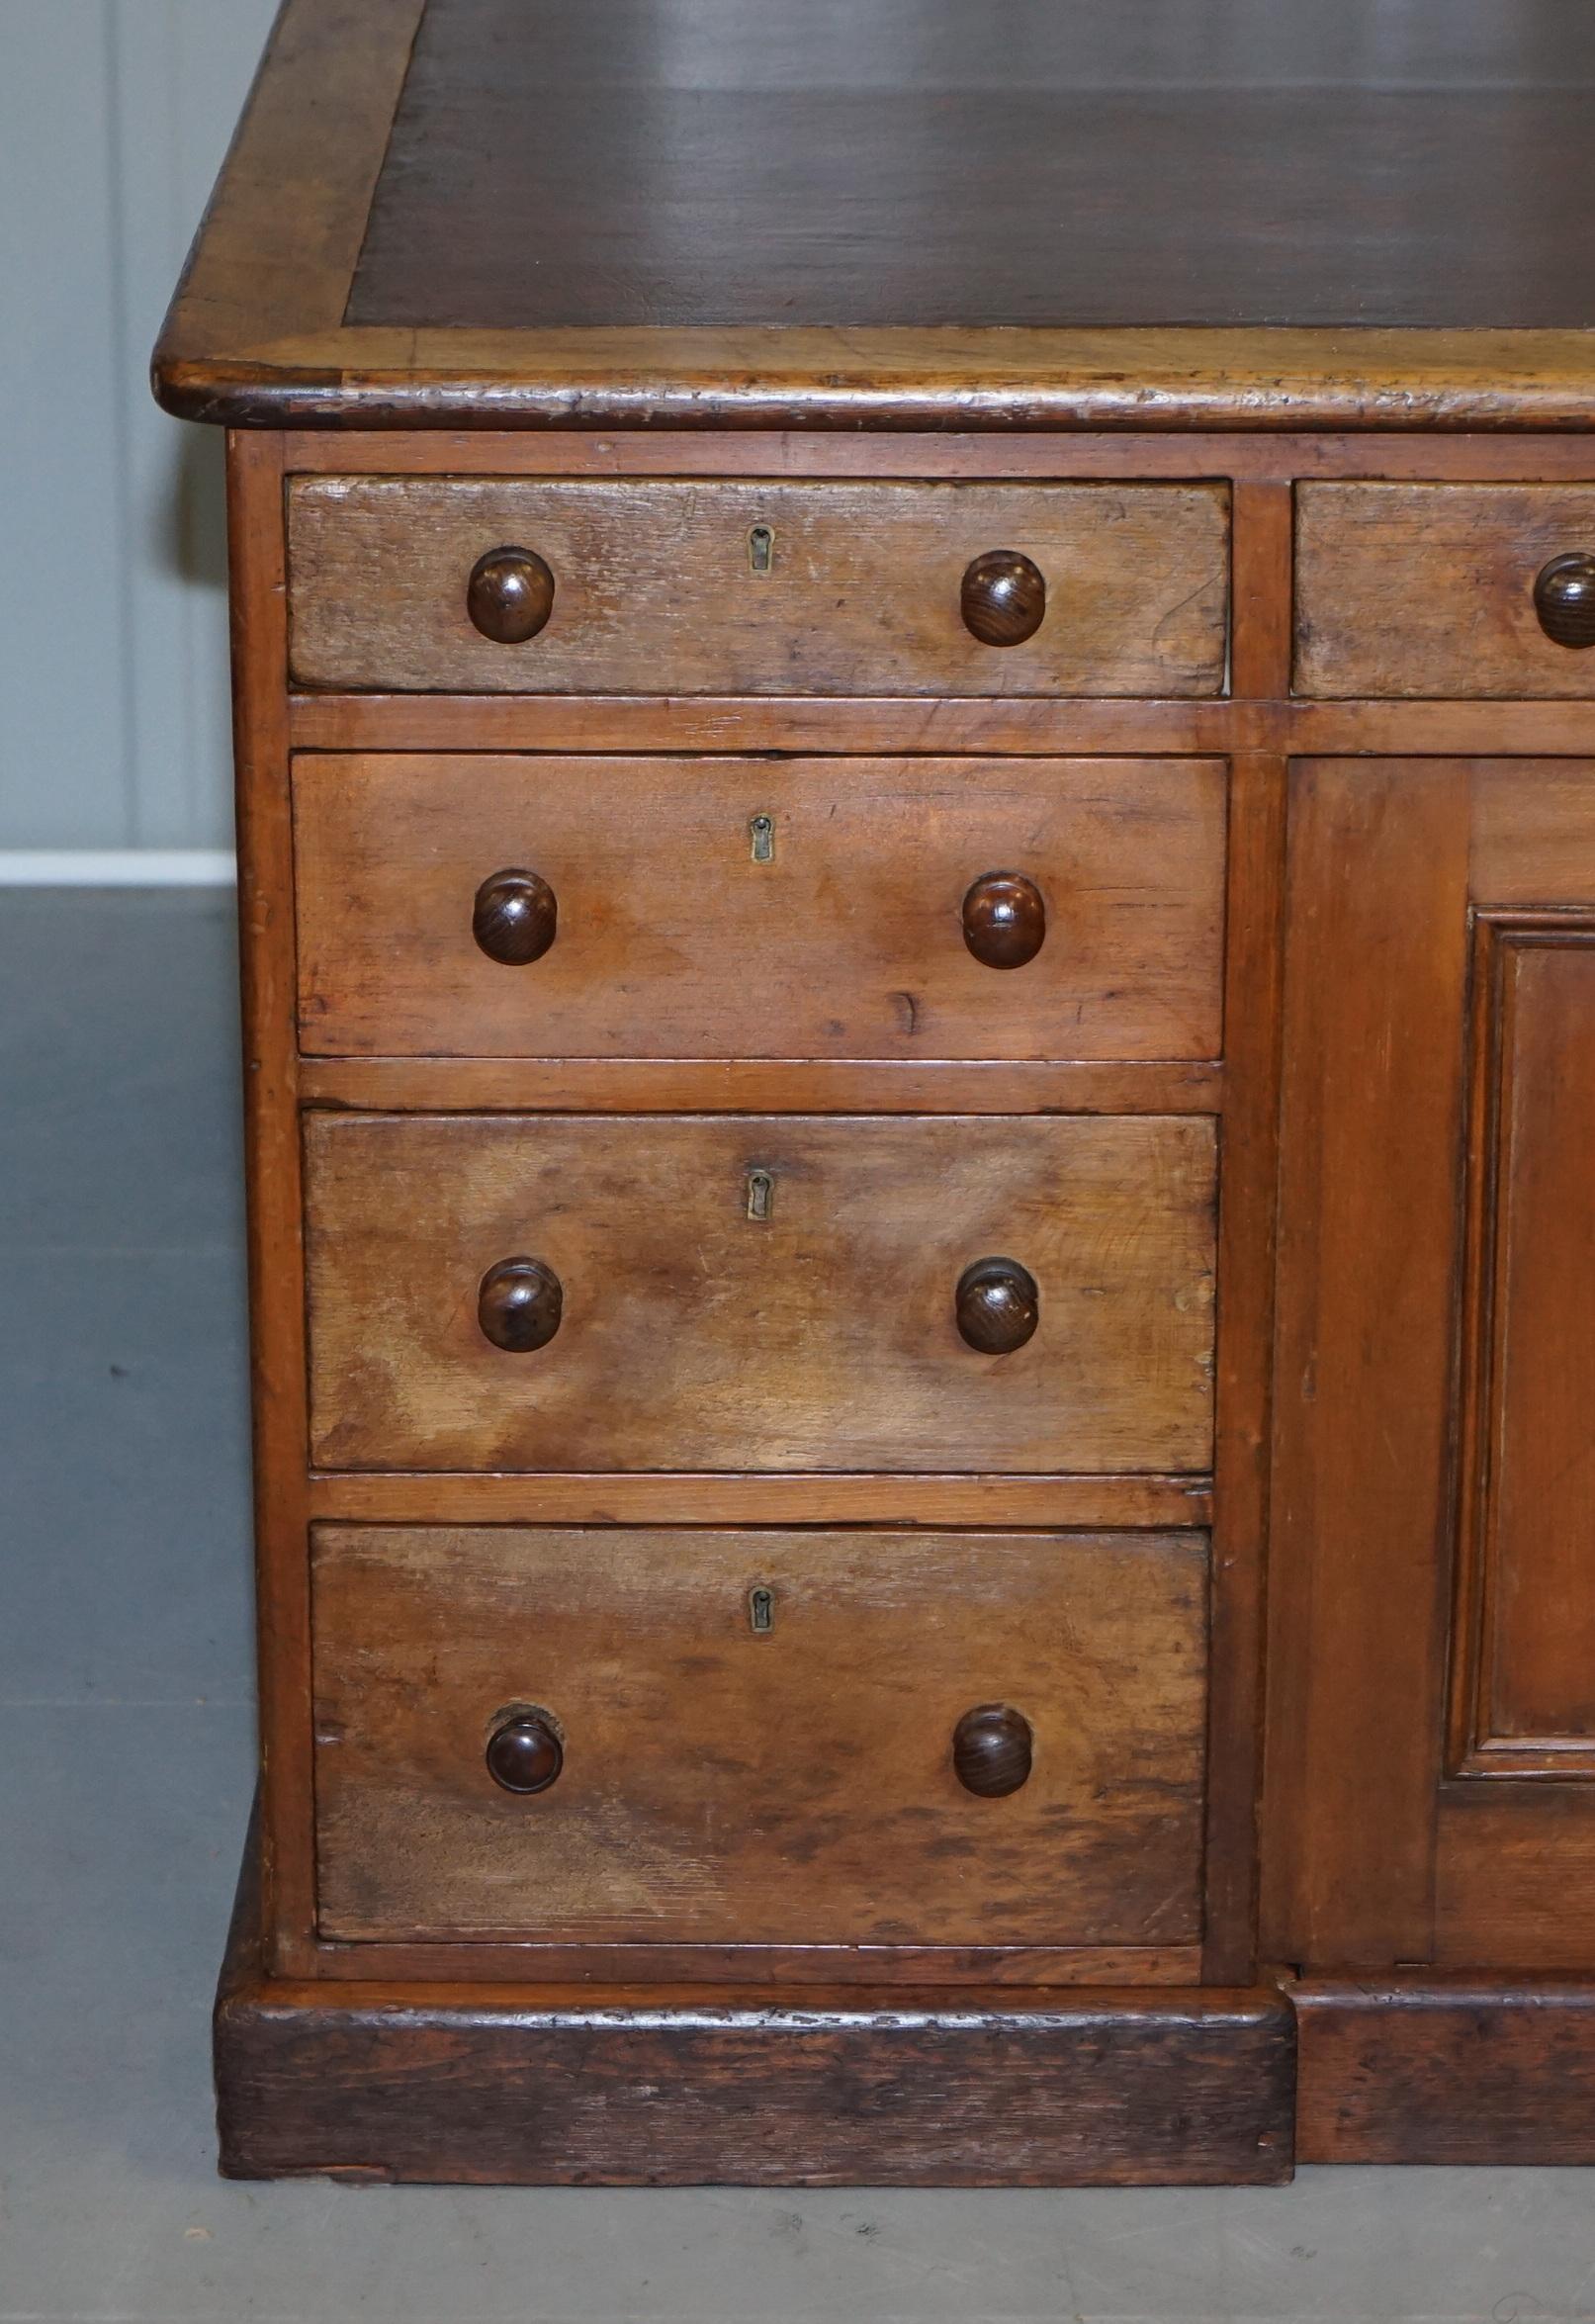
[(1430, 1788)]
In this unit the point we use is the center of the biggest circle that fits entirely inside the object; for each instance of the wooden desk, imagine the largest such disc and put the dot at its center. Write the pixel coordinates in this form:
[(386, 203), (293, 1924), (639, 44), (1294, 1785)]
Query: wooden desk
[(916, 734)]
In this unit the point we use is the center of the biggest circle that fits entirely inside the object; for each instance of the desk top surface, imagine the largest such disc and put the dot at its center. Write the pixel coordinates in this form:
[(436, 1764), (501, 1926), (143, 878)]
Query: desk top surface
[(904, 211)]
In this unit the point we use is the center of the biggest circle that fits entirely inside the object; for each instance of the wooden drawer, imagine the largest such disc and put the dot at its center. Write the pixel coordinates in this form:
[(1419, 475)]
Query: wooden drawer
[(692, 1334), (657, 587), (790, 1784), (739, 908), (1434, 591)]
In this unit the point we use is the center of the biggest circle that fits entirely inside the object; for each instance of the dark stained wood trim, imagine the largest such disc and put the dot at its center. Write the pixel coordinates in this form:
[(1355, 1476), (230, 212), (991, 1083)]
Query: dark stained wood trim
[(1141, 1504), (1424, 2067), (255, 336), (756, 1968), (896, 379), (615, 2086), (272, 1162), (276, 253)]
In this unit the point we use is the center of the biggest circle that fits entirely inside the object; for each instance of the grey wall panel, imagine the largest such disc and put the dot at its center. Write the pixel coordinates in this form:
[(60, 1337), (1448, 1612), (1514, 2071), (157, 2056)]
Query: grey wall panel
[(114, 116)]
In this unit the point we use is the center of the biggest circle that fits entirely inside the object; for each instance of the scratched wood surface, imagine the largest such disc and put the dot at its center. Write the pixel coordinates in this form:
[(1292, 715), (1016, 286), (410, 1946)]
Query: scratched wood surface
[(793, 1785), (861, 593), (822, 1336), (681, 933)]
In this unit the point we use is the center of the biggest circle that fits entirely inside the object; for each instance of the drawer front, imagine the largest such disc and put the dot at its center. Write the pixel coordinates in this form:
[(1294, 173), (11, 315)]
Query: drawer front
[(1434, 590), (761, 1293), (789, 1783), (760, 588), (739, 908)]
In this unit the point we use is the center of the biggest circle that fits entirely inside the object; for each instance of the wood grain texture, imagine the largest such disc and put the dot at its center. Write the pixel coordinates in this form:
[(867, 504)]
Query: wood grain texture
[(776, 1085), (863, 594), (1248, 1174), (539, 2086), (272, 1159), (279, 243), (756, 1969), (1120, 2091), (725, 1784), (1410, 882), (1429, 589), (1371, 1170), (661, 1497), (821, 1338), (1015, 729), (269, 346), (1274, 456), (672, 940), (1425, 2069), (1514, 1875), (891, 166)]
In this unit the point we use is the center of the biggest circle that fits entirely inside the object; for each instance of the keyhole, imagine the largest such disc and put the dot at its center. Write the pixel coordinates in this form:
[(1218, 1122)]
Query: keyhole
[(762, 1609), (761, 548)]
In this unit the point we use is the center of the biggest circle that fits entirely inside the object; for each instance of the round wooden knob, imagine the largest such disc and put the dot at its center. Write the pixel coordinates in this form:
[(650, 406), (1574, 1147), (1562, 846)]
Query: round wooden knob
[(992, 1750), (1005, 919), (1003, 598), (516, 918), (510, 596), (519, 1305), (998, 1306), (1565, 600), (525, 1754)]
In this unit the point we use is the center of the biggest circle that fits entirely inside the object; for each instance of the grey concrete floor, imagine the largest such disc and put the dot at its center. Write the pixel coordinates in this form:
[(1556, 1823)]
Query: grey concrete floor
[(126, 1744)]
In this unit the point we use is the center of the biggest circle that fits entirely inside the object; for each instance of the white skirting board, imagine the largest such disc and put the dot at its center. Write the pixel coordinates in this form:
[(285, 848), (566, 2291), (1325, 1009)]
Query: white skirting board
[(117, 867)]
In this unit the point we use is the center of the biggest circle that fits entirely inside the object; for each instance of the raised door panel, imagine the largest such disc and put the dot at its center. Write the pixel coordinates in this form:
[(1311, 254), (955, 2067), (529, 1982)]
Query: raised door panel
[(1432, 1573), (1524, 1693)]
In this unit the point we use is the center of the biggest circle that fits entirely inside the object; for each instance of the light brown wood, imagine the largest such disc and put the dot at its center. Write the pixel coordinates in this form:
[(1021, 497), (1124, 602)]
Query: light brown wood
[(1436, 1363), (1017, 728), (1514, 1875), (789, 1786), (834, 933), (1428, 589), (662, 1498), (1275, 457), (1248, 1168), (272, 1149), (696, 1336), (1375, 958), (861, 594)]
